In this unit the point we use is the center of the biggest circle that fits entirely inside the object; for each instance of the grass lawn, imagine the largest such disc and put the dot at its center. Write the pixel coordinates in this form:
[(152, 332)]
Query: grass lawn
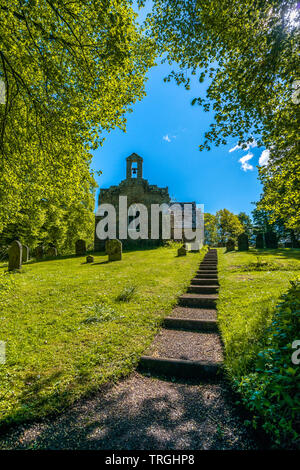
[(251, 283), (70, 327)]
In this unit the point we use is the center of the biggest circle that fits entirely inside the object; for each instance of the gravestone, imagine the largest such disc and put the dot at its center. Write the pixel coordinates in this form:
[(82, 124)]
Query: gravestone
[(243, 242), (259, 242), (39, 252), (52, 251), (271, 240), (80, 248), (230, 244), (181, 251), (113, 249), (15, 256), (89, 259), (25, 254)]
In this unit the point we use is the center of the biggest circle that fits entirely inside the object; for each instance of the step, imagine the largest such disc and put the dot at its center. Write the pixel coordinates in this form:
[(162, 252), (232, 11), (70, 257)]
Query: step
[(180, 368), (186, 345), (198, 300), (190, 325), (206, 275), (207, 267), (204, 282), (203, 349), (208, 289), (194, 313)]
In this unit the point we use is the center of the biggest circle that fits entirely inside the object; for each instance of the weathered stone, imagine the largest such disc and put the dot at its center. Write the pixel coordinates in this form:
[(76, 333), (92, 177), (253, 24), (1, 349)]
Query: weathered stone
[(243, 242), (80, 248), (113, 249), (39, 252), (89, 259), (260, 241), (15, 256), (271, 240), (25, 254), (230, 244), (181, 251), (52, 252)]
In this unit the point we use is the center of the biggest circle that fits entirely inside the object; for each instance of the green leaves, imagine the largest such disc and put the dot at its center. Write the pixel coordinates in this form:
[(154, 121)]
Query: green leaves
[(71, 71), (249, 51)]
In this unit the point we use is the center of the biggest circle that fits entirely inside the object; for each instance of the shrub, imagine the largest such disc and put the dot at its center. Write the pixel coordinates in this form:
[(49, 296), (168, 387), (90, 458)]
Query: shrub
[(271, 392)]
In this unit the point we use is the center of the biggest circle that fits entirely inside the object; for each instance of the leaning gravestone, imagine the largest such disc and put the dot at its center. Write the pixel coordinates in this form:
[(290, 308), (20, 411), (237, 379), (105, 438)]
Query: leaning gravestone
[(52, 251), (243, 242), (80, 248), (15, 256), (25, 254), (39, 252), (230, 244), (113, 249), (181, 251), (89, 259)]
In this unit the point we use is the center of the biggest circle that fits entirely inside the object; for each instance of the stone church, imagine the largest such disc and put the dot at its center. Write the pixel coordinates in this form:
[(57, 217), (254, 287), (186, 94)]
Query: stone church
[(138, 190)]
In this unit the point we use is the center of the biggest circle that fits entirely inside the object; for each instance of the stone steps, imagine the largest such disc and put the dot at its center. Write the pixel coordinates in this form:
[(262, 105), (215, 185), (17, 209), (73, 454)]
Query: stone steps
[(198, 300), (206, 275), (202, 281), (208, 267), (208, 289), (180, 368), (190, 324), (189, 346)]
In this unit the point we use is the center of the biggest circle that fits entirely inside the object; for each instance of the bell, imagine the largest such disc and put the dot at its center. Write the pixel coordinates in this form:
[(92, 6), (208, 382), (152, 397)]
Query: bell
[(134, 171)]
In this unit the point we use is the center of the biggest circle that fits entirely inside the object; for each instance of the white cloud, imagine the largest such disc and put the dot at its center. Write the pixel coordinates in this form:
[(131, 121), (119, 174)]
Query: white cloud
[(168, 137), (244, 162), (248, 146), (264, 158)]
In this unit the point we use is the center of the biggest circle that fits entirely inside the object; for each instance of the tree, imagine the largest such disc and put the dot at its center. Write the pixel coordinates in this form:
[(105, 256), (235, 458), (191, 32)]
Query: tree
[(71, 71), (210, 229), (228, 225), (248, 51), (246, 222)]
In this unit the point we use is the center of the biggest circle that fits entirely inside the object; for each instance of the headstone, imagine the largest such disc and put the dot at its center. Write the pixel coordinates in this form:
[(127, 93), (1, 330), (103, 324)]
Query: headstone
[(271, 240), (181, 251), (15, 256), (89, 259), (80, 248), (39, 252), (230, 244), (52, 251), (243, 242), (259, 242), (25, 254), (114, 250)]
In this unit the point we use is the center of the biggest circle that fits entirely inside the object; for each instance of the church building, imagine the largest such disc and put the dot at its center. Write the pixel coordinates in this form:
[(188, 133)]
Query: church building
[(138, 190)]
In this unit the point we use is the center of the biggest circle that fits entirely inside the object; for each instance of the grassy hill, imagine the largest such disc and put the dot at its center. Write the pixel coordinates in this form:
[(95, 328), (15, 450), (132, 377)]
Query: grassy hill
[(70, 327)]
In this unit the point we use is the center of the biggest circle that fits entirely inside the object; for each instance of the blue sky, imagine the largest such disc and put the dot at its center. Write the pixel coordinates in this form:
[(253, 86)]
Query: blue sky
[(166, 131)]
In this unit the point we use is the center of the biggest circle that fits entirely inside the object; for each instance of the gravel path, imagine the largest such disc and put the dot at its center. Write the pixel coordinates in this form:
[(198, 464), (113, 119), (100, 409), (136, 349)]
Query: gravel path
[(186, 345), (142, 413)]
